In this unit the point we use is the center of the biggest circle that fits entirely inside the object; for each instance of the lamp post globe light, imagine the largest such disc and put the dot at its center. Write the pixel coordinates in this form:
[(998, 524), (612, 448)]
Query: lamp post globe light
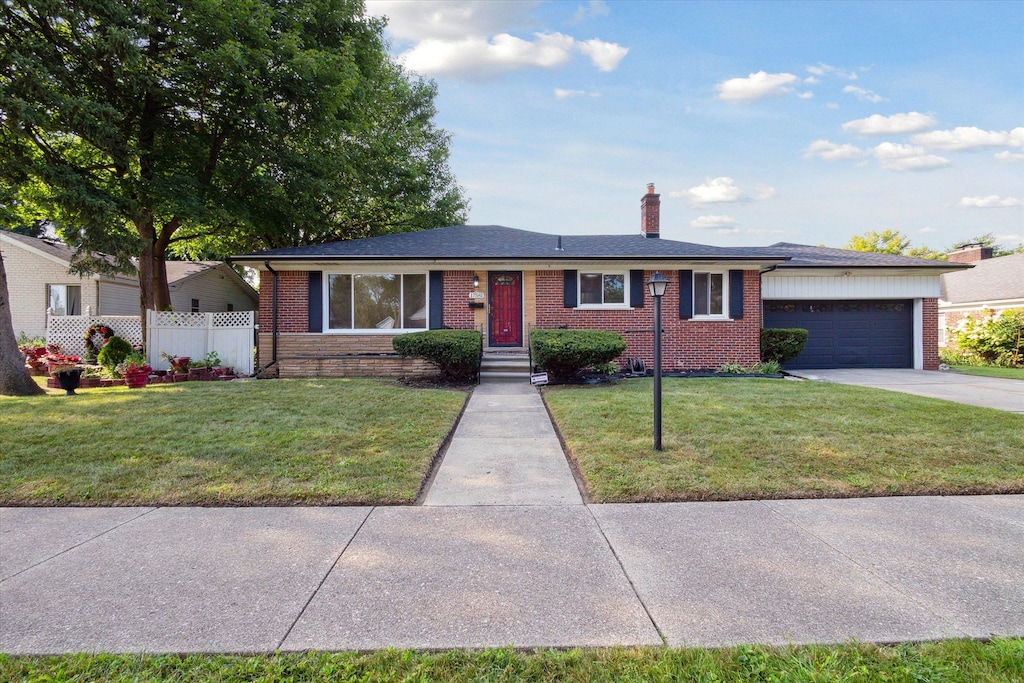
[(656, 286)]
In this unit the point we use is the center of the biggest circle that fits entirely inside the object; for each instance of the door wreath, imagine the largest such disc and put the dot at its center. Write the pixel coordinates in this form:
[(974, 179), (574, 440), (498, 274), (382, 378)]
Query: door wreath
[(96, 338)]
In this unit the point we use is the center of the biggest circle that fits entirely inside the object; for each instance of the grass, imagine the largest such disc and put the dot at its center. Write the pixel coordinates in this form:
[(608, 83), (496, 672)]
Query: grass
[(314, 441), (728, 439), (989, 371), (949, 661)]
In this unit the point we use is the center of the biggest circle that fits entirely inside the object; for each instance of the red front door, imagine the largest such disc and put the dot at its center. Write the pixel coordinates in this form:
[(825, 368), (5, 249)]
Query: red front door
[(505, 293)]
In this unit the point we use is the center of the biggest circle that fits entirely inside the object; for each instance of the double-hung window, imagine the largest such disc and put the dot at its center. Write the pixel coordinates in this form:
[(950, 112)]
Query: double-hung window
[(376, 301), (603, 289), (709, 295), (64, 299)]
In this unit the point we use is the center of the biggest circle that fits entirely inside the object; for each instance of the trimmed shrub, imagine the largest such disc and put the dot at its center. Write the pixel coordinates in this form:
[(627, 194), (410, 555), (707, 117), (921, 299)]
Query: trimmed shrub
[(113, 353), (563, 353), (781, 344), (455, 352)]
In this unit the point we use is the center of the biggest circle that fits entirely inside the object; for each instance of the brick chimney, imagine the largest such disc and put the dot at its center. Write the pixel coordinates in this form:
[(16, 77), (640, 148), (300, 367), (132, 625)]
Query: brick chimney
[(650, 213), (969, 253)]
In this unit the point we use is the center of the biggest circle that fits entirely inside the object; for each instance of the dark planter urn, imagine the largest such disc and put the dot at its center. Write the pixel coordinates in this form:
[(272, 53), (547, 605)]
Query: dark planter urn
[(69, 380)]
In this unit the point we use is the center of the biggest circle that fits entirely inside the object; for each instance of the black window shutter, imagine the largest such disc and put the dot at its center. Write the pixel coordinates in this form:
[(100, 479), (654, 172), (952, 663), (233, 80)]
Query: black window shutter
[(436, 299), (636, 288), (316, 301), (685, 294), (736, 294), (569, 289)]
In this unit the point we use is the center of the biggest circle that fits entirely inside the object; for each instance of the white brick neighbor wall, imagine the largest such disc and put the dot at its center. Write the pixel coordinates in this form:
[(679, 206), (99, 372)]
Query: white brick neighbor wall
[(28, 274)]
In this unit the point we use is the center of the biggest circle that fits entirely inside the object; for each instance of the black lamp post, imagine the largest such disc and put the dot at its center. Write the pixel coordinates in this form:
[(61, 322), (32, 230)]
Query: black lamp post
[(656, 286)]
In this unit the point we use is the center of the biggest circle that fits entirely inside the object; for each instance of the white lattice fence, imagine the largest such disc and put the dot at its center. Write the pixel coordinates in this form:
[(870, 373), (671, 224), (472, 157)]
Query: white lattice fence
[(230, 334), (69, 330)]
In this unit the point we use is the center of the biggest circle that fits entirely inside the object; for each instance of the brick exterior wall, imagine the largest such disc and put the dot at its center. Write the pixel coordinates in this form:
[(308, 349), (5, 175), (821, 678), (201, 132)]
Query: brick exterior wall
[(930, 333), (292, 301), (686, 344), (457, 286), (28, 275)]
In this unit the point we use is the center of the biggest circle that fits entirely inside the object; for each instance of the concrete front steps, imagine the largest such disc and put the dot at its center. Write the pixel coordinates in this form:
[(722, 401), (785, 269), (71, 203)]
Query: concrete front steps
[(505, 365)]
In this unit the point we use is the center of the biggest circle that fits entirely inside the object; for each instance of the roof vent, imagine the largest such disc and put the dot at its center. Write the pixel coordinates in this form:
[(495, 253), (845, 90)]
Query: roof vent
[(559, 247)]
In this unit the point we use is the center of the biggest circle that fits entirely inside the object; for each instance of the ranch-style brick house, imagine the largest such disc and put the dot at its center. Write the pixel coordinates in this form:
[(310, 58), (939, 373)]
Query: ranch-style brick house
[(333, 309)]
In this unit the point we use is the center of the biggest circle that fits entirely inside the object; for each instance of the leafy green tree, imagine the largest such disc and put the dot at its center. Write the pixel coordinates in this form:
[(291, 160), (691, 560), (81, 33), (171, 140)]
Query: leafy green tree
[(162, 127), (885, 242)]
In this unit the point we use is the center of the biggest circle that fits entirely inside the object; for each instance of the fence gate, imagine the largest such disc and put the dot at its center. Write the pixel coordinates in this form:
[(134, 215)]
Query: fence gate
[(230, 334)]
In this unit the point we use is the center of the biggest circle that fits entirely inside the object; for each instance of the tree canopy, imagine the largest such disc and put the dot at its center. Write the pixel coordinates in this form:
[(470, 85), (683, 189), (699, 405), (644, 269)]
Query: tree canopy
[(895, 242), (208, 127)]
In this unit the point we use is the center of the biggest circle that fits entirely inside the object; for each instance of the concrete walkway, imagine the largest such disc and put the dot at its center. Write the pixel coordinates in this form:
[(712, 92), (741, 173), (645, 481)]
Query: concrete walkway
[(987, 392), (503, 552), (504, 452)]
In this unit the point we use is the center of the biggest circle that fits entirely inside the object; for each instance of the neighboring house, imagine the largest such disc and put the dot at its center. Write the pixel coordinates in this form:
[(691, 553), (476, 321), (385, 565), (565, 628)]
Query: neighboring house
[(38, 281), (330, 309), (993, 284)]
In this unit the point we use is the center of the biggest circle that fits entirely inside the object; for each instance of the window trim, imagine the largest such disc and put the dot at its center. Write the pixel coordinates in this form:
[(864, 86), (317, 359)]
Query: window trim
[(325, 313), (624, 306), (724, 315)]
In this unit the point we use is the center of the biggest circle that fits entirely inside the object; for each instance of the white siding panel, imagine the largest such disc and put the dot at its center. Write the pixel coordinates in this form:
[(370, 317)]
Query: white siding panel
[(855, 287), (215, 290), (118, 299)]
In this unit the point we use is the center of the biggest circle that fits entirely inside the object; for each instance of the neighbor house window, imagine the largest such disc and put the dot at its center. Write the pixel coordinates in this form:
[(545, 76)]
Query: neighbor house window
[(942, 329), (195, 305), (603, 289), (377, 301), (709, 294), (65, 300)]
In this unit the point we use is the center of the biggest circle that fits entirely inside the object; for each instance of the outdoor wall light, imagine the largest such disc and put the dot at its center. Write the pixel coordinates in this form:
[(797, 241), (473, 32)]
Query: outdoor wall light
[(656, 286), (476, 281)]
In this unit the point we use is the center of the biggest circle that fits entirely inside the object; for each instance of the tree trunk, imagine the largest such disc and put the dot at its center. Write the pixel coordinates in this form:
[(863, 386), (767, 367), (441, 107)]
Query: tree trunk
[(154, 292), (14, 378)]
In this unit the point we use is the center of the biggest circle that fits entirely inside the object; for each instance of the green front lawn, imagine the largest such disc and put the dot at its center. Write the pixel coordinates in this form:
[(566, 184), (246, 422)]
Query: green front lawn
[(989, 371), (955, 661), (315, 441), (727, 439)]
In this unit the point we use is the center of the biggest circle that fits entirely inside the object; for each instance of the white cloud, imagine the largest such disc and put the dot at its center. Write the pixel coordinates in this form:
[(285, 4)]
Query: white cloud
[(990, 202), (727, 231), (712, 191), (567, 94), (896, 124), (472, 39), (897, 157), (592, 10), (830, 151), (480, 57), (1009, 157), (805, 95), (832, 105), (1010, 238), (762, 192), (812, 80), (925, 231), (713, 222), (605, 56), (755, 87), (828, 70), (862, 94), (969, 137), (448, 20)]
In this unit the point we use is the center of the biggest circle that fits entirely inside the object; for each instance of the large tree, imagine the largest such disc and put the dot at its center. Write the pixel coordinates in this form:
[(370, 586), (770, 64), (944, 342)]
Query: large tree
[(159, 127)]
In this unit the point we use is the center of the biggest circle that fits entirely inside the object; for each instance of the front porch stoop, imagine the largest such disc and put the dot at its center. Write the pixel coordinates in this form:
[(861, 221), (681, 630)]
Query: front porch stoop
[(504, 365)]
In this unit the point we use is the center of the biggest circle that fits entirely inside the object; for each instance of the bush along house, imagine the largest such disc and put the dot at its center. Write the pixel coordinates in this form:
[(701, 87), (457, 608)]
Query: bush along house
[(332, 309)]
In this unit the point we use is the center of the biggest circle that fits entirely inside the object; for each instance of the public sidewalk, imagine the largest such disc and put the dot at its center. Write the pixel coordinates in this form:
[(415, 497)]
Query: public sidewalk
[(503, 552)]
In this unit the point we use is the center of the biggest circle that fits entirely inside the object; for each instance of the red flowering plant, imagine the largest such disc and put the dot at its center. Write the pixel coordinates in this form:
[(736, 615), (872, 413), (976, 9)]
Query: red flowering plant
[(133, 365), (60, 362)]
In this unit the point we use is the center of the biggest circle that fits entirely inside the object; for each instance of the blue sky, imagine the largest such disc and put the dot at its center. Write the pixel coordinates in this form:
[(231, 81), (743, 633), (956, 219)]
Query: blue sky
[(758, 122)]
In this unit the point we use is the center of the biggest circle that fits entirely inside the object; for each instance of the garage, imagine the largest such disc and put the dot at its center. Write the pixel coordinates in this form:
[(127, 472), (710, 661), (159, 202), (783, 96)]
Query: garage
[(848, 334)]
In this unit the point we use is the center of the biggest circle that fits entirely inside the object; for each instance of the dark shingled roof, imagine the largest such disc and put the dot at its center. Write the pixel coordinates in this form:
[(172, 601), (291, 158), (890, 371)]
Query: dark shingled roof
[(486, 242), (498, 242), (992, 279), (805, 256)]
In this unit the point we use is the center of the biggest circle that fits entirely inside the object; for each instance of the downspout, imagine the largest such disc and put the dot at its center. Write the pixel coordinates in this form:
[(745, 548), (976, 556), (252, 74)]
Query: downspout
[(273, 315)]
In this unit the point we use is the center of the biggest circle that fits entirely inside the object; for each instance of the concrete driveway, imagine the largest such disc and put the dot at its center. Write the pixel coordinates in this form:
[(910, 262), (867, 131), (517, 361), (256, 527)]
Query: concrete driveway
[(988, 392)]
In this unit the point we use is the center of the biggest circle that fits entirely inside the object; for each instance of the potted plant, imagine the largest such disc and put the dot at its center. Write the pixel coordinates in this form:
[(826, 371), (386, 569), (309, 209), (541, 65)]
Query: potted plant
[(65, 369), (134, 370)]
